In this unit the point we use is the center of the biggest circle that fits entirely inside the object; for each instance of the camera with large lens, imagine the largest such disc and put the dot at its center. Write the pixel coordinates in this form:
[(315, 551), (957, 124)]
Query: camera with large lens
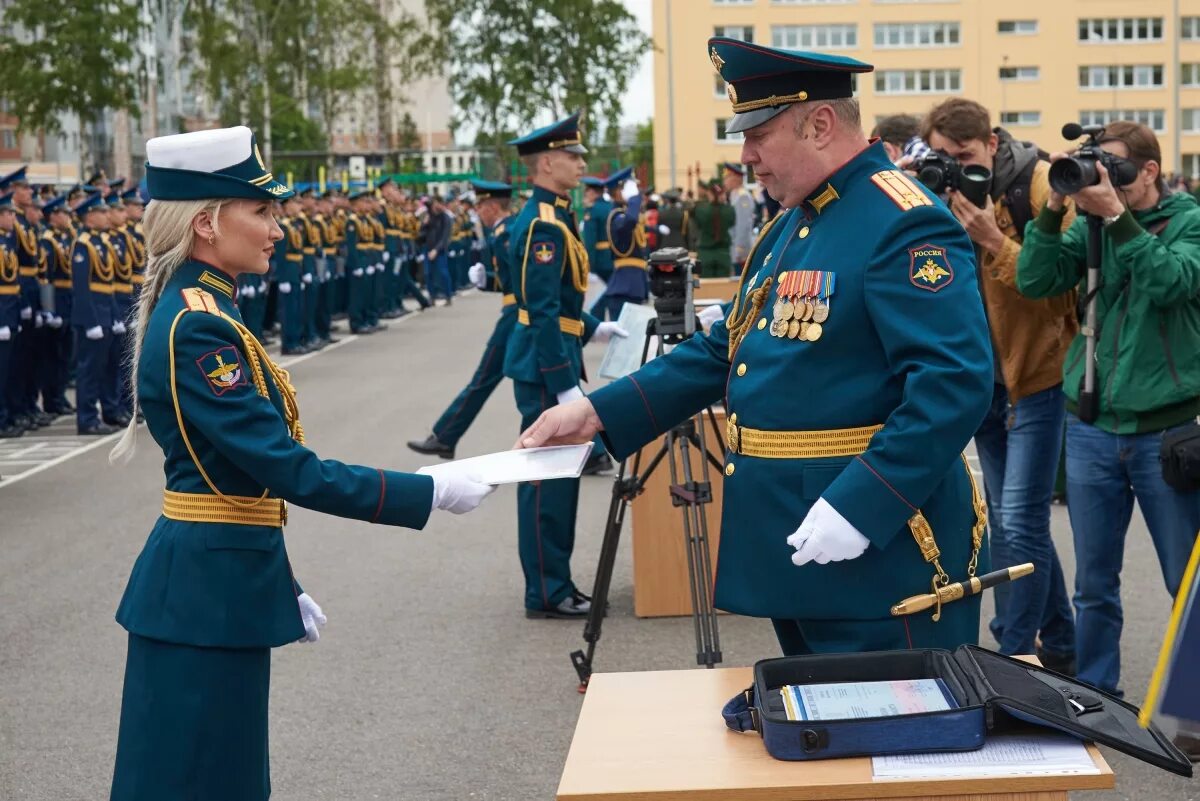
[(1078, 171), (671, 282), (941, 172)]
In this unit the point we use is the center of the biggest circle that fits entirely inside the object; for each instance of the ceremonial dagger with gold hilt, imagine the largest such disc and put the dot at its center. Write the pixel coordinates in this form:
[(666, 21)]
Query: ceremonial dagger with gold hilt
[(961, 589)]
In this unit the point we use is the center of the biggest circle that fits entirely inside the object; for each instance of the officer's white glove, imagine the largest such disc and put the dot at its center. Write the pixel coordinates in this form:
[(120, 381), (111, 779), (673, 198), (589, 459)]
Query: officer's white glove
[(118, 327), (455, 491), (357, 273), (312, 617), (38, 320), (371, 270), (825, 536), (664, 230), (94, 333), (572, 394), (629, 189), (247, 292), (6, 333), (26, 312), (285, 288), (54, 321), (420, 257), (711, 314), (607, 330), (386, 255), (306, 278), (478, 275)]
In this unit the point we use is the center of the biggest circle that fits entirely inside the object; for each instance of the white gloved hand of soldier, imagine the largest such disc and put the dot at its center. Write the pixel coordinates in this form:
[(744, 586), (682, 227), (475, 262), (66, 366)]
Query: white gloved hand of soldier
[(386, 255), (825, 536), (311, 616), (26, 312), (247, 292), (285, 287), (664, 230), (710, 315), (39, 320), (478, 274), (455, 491), (307, 278), (371, 270), (56, 321), (118, 327), (607, 330), (94, 333), (357, 273), (566, 396), (629, 190), (6, 333)]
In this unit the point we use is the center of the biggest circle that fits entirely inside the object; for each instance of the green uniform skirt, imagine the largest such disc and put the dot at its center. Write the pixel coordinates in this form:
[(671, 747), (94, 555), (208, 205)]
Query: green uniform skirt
[(193, 724)]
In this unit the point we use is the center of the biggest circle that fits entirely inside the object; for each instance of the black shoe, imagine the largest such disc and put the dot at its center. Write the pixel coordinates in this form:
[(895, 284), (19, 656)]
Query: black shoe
[(432, 446), (572, 607), (120, 421), (1059, 663), (380, 326), (598, 464), (64, 407), (97, 430), (362, 330), (331, 339), (316, 344), (11, 432), (449, 302), (299, 350), (24, 422)]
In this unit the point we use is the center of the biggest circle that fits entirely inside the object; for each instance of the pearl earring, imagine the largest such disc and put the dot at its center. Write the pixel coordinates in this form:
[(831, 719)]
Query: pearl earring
[(212, 240)]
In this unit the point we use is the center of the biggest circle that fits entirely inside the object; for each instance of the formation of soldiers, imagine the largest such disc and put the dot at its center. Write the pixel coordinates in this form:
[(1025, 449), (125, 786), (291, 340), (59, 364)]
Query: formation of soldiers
[(72, 266)]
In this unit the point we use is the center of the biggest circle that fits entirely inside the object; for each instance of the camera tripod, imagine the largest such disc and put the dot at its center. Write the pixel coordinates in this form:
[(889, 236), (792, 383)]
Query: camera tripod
[(690, 496)]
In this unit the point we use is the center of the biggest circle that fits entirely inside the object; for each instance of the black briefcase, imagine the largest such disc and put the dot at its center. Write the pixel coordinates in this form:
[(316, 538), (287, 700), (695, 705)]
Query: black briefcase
[(1180, 457), (990, 693)]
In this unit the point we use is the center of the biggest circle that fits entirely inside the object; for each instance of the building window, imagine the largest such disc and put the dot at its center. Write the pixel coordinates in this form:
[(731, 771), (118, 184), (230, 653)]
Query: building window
[(918, 82), (813, 2), (815, 37), (1020, 118), (916, 34), (743, 33), (1189, 29), (726, 137), (8, 139), (1128, 76), (1191, 165), (1020, 73), (1017, 27), (1121, 29), (718, 87), (1190, 123), (1153, 118), (1189, 74)]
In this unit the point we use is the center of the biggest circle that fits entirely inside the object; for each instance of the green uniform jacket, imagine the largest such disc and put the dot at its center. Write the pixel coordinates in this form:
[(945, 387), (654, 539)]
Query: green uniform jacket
[(225, 584), (710, 225), (1148, 308)]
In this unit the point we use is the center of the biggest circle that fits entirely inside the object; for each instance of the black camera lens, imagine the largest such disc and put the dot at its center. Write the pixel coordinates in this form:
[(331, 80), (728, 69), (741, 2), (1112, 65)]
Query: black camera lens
[(933, 176), (975, 182), (1069, 175)]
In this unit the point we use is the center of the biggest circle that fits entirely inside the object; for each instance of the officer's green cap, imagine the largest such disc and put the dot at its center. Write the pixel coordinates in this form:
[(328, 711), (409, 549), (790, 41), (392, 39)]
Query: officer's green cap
[(221, 163), (561, 135), (763, 81)]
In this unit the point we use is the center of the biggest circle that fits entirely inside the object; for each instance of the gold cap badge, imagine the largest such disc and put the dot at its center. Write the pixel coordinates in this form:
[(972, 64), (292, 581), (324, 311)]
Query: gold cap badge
[(716, 59), (729, 90)]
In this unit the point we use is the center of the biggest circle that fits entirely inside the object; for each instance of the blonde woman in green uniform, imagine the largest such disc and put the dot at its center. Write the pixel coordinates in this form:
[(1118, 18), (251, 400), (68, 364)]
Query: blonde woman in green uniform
[(213, 591)]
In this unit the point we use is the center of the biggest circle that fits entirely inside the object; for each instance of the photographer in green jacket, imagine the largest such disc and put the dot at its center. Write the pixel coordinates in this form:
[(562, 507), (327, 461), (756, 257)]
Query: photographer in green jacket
[(1147, 377)]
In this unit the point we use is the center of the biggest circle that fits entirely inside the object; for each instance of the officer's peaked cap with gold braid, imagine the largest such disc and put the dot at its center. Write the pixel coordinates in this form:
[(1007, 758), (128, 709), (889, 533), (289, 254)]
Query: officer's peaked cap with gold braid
[(221, 163), (763, 81)]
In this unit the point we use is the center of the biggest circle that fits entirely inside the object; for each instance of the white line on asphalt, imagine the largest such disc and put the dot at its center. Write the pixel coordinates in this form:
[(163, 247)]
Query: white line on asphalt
[(24, 451), (286, 363)]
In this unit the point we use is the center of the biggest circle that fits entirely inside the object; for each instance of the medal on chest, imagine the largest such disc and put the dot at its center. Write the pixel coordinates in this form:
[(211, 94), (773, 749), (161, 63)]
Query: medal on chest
[(803, 304)]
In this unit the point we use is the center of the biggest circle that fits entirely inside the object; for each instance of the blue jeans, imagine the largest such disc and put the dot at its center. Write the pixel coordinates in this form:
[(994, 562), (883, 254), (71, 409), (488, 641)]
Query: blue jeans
[(1019, 446), (437, 276), (1105, 473)]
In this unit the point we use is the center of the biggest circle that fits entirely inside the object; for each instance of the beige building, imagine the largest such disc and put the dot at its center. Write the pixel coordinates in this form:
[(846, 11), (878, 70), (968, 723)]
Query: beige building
[(1036, 64)]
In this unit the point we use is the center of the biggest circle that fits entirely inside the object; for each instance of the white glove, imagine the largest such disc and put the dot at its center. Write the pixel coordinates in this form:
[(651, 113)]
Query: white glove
[(478, 274), (247, 292), (27, 313), (285, 288), (607, 330), (629, 189), (574, 393), (371, 270), (5, 333), (825, 536), (38, 320), (94, 333), (357, 273), (420, 257), (386, 255), (664, 230), (454, 491), (306, 278), (311, 616), (711, 314), (55, 321), (118, 327)]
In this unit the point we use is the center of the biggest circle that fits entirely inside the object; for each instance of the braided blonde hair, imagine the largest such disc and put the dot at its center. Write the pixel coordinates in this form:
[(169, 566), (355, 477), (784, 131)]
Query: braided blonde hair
[(169, 240)]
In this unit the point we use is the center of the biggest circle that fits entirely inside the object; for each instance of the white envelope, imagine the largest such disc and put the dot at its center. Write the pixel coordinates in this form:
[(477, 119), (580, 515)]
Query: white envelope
[(530, 464)]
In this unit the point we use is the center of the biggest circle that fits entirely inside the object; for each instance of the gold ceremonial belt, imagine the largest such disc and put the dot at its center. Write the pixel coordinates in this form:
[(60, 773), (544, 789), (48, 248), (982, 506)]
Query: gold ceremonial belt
[(62, 283), (294, 256), (103, 289), (629, 262), (310, 251), (509, 300), (565, 324), (123, 287), (797, 444), (603, 245), (29, 272), (137, 279), (10, 289), (202, 508), (392, 231)]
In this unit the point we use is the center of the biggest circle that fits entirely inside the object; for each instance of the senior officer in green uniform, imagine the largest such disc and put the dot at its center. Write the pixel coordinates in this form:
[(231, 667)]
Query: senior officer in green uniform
[(213, 590), (545, 353), (861, 301), (492, 274)]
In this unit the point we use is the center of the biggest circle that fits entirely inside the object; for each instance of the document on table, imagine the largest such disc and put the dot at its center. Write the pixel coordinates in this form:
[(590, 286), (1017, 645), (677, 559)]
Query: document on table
[(624, 354), (866, 699), (1039, 754), (530, 464)]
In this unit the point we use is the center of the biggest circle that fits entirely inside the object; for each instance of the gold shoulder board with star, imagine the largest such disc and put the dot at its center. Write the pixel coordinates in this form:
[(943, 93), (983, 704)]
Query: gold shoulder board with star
[(900, 189)]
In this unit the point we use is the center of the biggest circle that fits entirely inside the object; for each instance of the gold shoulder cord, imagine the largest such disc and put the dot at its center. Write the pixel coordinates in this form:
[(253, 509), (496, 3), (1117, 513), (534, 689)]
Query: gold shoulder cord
[(739, 320), (576, 261), (256, 355), (922, 532), (8, 265)]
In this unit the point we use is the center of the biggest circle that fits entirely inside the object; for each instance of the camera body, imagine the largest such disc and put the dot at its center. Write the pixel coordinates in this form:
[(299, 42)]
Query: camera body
[(1078, 171), (941, 172), (672, 284)]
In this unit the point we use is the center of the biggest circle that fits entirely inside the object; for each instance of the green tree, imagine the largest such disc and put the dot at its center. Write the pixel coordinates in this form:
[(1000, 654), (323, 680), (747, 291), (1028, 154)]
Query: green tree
[(80, 61)]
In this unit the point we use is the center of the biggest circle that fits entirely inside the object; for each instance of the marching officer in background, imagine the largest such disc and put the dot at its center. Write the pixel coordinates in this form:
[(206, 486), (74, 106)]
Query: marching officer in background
[(675, 218), (712, 221), (834, 508), (744, 207), (54, 360), (596, 206), (626, 234), (545, 353), (492, 274), (10, 310), (401, 247), (93, 270)]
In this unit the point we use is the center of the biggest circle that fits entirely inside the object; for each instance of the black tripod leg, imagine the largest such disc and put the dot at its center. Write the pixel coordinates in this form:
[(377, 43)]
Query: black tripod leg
[(707, 612)]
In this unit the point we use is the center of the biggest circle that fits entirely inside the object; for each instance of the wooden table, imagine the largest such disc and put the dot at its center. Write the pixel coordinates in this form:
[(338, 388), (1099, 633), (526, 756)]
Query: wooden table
[(717, 288), (658, 736)]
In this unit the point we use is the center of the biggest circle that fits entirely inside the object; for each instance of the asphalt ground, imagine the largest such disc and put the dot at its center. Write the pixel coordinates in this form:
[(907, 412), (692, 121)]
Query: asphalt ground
[(428, 682)]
